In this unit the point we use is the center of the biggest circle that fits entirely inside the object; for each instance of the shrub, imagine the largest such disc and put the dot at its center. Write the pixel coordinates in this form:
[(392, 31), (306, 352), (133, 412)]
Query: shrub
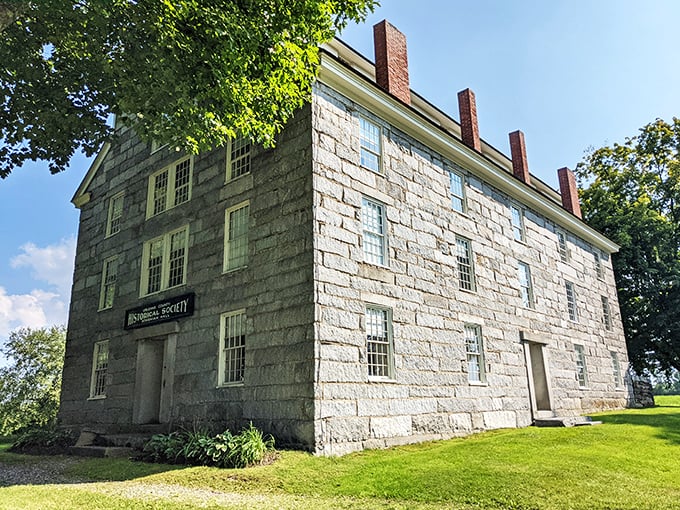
[(44, 440), (248, 448)]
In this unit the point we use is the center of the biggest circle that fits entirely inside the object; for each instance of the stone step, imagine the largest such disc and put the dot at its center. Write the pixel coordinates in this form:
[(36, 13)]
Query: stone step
[(101, 451), (565, 421)]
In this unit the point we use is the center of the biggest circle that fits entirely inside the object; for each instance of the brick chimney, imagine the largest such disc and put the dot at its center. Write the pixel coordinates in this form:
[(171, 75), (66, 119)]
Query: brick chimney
[(569, 191), (469, 128), (518, 151), (391, 63)]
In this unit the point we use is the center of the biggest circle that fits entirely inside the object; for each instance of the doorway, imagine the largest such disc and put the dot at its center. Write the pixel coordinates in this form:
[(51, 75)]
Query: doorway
[(149, 381), (539, 386)]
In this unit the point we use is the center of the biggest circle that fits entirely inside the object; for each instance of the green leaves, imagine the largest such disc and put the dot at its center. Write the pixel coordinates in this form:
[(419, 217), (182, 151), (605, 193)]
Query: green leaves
[(631, 193), (191, 73)]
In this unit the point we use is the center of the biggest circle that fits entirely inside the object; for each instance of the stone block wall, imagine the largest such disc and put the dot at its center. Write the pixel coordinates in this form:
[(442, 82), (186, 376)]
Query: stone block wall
[(429, 395)]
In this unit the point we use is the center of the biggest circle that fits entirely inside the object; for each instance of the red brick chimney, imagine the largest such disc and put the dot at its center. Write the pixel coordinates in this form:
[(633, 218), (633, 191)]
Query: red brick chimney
[(518, 151), (391, 63), (469, 128), (569, 191)]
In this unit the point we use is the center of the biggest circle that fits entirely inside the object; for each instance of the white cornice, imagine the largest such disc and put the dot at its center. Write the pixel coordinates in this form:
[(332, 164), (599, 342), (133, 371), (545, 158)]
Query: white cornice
[(82, 196), (357, 88)]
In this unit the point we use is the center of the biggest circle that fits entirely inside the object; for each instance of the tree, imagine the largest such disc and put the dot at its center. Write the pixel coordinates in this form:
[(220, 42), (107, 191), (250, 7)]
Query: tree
[(631, 193), (30, 384), (191, 73)]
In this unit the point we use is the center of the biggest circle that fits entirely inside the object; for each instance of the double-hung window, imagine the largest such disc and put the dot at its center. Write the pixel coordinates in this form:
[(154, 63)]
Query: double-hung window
[(373, 228), (572, 308), (108, 287), (170, 187), (526, 289), (369, 135), (232, 347), (457, 190), (475, 353), (517, 220), (606, 313), (562, 246), (616, 369), (598, 265), (466, 271), (581, 369), (100, 367), (236, 236), (164, 263), (115, 214), (379, 343), (238, 161)]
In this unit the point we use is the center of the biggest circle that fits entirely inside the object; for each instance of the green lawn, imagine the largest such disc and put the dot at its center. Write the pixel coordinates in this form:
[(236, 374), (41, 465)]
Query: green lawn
[(632, 461)]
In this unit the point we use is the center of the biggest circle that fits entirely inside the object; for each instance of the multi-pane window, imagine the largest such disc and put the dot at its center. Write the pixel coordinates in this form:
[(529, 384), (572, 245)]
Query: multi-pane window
[(100, 366), (616, 369), (115, 214), (572, 309), (581, 369), (466, 272), (562, 247), (606, 313), (232, 347), (164, 262), (517, 219), (525, 287), (379, 342), (170, 187), (236, 236), (475, 353), (373, 226), (369, 134), (238, 162), (598, 265), (108, 288), (457, 189)]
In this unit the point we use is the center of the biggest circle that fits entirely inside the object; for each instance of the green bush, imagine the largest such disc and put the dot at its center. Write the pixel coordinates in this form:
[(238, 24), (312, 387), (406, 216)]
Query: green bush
[(43, 440), (248, 448)]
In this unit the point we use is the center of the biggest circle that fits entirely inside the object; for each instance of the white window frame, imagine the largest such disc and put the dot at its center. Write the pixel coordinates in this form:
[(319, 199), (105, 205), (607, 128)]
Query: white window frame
[(599, 270), (232, 353), (616, 369), (156, 146), (379, 342), (229, 242), (517, 223), (474, 350), (581, 366), (563, 246), (465, 265), (239, 152), (165, 263), (458, 197), (572, 305), (374, 233), (169, 196), (526, 288), (370, 146), (100, 368), (108, 285), (606, 313), (115, 214)]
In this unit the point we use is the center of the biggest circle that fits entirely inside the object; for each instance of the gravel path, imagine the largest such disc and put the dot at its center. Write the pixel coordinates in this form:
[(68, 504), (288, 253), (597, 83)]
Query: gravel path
[(37, 472)]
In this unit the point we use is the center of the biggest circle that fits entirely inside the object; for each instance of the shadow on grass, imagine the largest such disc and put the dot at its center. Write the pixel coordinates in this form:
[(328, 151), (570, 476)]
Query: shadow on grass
[(665, 418)]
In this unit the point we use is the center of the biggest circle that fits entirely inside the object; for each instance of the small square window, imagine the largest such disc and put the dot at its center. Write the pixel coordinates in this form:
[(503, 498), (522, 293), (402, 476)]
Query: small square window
[(466, 272), (373, 226), (517, 220), (100, 367), (379, 342), (369, 134), (457, 190), (232, 347), (115, 215), (475, 353)]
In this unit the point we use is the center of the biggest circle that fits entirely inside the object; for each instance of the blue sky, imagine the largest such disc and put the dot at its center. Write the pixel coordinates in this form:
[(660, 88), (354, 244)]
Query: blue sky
[(569, 73)]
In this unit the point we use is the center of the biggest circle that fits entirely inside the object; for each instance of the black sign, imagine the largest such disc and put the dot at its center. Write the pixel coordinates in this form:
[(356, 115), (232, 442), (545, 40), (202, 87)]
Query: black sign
[(161, 311)]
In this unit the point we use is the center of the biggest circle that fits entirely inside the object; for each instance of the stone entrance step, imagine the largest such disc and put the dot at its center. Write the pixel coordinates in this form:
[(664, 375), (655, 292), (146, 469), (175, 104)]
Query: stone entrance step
[(101, 451), (565, 421)]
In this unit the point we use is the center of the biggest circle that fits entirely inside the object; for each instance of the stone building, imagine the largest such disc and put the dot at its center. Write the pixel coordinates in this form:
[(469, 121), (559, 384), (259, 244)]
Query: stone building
[(382, 276)]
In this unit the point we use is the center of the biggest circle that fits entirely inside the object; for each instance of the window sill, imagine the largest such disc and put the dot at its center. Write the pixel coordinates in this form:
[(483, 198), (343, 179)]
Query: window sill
[(234, 270), (161, 291), (234, 179), (478, 383), (104, 309), (98, 397), (231, 385), (379, 379)]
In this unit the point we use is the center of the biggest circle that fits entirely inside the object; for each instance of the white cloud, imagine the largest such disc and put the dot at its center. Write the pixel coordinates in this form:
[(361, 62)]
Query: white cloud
[(52, 264), (34, 310)]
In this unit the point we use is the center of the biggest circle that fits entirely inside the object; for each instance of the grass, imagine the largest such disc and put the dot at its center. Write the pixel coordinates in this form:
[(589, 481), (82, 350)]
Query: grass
[(631, 462)]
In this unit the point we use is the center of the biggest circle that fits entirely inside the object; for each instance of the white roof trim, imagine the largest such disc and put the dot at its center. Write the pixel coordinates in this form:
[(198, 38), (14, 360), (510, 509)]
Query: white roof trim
[(82, 196)]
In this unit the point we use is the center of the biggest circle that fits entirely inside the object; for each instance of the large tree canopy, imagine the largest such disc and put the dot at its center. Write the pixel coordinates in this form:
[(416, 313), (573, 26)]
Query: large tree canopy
[(30, 384), (631, 193), (187, 72)]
